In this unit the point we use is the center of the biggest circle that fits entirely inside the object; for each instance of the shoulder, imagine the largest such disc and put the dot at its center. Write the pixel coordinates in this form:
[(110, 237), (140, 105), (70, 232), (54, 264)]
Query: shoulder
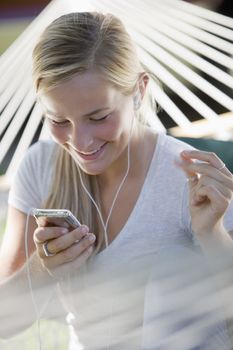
[(36, 160), (171, 146), (165, 172), (31, 181), (169, 177), (39, 154), (167, 153), (41, 148)]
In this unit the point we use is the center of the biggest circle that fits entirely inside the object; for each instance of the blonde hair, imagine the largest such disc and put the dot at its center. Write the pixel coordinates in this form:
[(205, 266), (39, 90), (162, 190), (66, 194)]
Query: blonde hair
[(72, 44)]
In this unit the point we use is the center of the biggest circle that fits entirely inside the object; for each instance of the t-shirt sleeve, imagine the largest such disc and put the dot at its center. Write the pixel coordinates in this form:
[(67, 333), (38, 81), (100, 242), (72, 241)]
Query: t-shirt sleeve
[(28, 184), (228, 218)]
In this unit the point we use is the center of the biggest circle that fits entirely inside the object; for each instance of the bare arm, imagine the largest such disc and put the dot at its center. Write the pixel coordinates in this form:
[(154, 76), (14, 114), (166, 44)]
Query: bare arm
[(12, 253), (14, 280), (18, 311), (219, 241)]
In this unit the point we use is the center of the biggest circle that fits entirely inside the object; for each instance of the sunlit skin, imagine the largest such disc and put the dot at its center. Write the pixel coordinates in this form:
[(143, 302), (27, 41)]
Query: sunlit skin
[(94, 120), (96, 123)]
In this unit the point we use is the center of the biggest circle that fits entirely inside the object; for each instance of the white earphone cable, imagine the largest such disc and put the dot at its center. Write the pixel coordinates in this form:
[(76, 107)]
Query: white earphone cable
[(30, 280), (105, 225), (38, 312)]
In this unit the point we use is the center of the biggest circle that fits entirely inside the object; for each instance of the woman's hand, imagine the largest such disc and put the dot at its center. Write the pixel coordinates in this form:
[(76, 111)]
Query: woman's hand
[(69, 250), (210, 189)]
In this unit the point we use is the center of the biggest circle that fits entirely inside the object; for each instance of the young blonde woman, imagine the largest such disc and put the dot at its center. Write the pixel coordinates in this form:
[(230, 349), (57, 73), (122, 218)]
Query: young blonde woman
[(125, 183)]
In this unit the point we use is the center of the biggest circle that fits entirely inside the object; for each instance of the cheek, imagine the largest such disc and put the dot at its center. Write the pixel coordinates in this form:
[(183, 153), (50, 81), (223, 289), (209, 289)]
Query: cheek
[(110, 132), (115, 128), (60, 134)]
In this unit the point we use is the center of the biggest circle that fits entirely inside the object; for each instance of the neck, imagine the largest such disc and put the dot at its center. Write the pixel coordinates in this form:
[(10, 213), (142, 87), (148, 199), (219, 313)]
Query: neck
[(139, 146)]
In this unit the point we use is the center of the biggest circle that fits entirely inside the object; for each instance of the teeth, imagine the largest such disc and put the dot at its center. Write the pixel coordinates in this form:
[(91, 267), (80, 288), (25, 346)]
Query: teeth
[(90, 153)]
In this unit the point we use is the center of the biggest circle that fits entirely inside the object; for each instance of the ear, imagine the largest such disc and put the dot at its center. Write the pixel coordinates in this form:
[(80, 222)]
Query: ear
[(142, 83), (140, 90)]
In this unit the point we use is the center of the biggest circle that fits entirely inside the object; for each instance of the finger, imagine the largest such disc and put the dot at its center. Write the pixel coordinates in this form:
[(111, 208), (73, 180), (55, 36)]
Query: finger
[(63, 242), (70, 254), (41, 221), (191, 176), (185, 161), (82, 258), (210, 171), (60, 271), (218, 201), (43, 234), (208, 181), (209, 157)]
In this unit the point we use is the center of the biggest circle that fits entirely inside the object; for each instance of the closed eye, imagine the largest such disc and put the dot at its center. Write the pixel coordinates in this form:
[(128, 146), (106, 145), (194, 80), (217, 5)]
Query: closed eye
[(55, 122), (100, 119)]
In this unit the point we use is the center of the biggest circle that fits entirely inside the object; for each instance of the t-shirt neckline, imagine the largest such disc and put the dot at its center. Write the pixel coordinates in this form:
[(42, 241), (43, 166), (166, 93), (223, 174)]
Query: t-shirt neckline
[(151, 173)]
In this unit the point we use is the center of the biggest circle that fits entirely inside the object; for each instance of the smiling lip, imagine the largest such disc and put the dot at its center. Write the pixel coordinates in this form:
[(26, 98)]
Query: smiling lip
[(91, 155)]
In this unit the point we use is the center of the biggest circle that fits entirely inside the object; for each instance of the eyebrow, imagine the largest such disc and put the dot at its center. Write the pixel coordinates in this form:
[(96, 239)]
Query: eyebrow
[(85, 115)]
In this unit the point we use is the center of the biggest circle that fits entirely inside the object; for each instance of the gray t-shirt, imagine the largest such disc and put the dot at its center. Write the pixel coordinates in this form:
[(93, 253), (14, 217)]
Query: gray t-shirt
[(160, 216), (159, 220)]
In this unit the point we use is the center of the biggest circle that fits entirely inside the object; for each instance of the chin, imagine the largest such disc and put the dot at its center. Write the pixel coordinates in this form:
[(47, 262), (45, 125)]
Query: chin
[(96, 167), (91, 172), (89, 169)]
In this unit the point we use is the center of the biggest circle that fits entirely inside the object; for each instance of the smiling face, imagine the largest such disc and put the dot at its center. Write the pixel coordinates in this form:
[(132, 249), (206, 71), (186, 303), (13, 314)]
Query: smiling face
[(91, 119)]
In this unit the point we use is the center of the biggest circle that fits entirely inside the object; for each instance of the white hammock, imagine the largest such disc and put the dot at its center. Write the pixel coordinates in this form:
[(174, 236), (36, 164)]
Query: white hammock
[(175, 41)]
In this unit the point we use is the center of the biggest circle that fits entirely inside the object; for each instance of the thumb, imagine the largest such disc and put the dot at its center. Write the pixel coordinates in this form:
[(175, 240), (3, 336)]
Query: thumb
[(42, 221), (192, 177)]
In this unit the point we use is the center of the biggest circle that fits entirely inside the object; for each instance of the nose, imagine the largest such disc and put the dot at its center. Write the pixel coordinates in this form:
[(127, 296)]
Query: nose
[(80, 136)]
